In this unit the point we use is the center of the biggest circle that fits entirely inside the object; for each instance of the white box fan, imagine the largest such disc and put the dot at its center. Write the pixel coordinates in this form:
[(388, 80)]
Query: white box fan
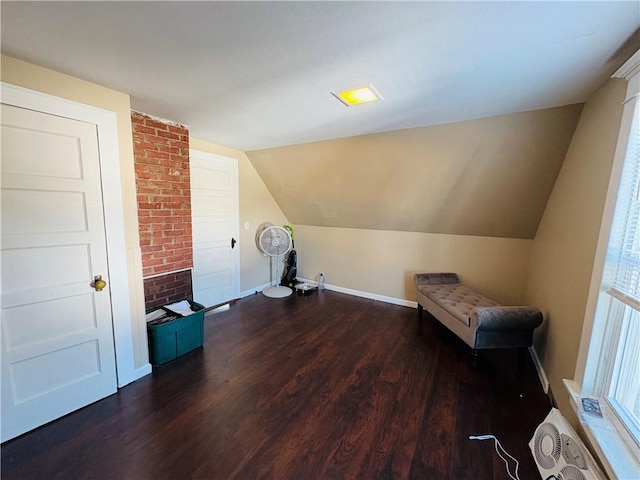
[(559, 453), (274, 241)]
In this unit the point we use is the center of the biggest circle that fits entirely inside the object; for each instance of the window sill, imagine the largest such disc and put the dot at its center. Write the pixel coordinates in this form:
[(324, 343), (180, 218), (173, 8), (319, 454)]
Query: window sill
[(608, 445)]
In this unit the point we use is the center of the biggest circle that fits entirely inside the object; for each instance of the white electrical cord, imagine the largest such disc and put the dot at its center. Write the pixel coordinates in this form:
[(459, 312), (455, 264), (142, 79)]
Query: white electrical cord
[(496, 445)]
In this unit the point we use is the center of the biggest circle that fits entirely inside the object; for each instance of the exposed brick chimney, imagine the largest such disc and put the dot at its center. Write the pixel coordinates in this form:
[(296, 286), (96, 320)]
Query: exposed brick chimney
[(161, 154)]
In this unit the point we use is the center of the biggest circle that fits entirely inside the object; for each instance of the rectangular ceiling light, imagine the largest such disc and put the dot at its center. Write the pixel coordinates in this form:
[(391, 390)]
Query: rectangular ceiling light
[(358, 95)]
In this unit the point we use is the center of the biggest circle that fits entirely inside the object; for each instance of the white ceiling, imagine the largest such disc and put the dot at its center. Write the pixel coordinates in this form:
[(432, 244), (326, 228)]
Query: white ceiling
[(251, 75)]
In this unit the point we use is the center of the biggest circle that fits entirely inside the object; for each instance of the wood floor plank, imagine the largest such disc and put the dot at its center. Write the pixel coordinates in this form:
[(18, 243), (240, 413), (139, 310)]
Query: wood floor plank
[(321, 386)]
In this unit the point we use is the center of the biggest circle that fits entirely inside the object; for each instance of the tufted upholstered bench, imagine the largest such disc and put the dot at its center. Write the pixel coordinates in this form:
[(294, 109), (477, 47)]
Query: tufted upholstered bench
[(479, 321)]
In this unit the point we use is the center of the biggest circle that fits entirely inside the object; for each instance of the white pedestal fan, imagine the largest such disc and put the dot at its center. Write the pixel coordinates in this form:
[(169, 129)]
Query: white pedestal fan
[(274, 241)]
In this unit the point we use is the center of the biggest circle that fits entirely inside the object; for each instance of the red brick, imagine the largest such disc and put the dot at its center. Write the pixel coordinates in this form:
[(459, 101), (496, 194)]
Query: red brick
[(148, 206), (147, 259), (172, 284), (156, 140), (145, 129), (183, 144), (150, 122), (154, 154), (149, 220), (142, 175), (172, 136), (172, 205), (137, 119), (164, 198), (156, 183), (146, 145), (183, 251), (154, 262), (169, 149), (177, 129), (162, 240)]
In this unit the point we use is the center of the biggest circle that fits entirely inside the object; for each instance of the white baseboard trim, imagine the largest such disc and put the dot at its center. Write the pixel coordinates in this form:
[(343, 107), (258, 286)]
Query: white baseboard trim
[(541, 374), (372, 296), (253, 290), (136, 374)]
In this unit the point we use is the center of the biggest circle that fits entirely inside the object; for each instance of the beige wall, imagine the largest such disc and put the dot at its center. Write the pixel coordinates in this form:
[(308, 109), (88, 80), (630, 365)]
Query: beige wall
[(564, 247), (485, 177), (256, 206), (383, 262), (47, 81)]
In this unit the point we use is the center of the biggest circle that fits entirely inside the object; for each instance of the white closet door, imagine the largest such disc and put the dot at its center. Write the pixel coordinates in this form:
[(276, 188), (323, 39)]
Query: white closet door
[(57, 333), (214, 210)]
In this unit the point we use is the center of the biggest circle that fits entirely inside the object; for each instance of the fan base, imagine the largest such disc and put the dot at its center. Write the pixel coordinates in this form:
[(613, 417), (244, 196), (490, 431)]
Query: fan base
[(277, 291)]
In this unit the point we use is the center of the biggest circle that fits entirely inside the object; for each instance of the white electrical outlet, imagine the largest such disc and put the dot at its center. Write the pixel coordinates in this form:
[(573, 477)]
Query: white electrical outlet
[(246, 225)]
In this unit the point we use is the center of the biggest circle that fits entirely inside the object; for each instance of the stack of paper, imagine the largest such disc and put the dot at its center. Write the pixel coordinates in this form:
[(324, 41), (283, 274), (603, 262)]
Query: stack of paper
[(182, 308)]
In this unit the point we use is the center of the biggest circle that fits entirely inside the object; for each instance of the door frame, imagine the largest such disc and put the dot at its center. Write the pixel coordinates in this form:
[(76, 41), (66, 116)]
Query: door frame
[(107, 128), (235, 228)]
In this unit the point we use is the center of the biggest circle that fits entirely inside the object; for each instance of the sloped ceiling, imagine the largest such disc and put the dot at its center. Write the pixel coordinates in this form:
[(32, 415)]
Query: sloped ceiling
[(255, 75), (258, 75), (487, 177)]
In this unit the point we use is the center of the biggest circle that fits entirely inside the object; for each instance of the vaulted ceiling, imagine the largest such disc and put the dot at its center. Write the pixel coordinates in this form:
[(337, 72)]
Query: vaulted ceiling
[(253, 75), (488, 177), (480, 98)]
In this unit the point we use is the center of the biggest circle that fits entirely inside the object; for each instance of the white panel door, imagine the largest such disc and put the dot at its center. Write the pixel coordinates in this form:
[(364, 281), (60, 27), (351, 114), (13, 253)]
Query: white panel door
[(57, 337), (214, 210)]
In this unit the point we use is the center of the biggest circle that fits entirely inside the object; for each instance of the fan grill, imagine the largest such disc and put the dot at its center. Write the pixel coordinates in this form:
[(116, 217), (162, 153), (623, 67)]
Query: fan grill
[(275, 241), (570, 472), (547, 446)]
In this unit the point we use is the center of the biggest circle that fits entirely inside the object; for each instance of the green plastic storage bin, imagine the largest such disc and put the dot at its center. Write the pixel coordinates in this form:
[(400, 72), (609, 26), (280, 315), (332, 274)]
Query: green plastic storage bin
[(171, 339)]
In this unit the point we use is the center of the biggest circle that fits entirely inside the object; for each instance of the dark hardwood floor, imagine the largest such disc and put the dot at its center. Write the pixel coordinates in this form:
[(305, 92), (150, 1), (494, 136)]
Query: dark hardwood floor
[(325, 386)]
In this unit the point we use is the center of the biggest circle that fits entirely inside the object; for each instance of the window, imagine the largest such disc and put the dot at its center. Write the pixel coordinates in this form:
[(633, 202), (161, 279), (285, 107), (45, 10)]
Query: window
[(623, 392), (619, 376), (609, 363)]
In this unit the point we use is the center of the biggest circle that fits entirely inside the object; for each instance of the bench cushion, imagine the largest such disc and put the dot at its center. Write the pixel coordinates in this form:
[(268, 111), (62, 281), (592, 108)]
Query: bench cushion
[(456, 299)]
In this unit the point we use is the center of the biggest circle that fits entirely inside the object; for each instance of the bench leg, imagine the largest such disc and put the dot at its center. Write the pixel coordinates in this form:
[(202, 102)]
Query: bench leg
[(474, 359)]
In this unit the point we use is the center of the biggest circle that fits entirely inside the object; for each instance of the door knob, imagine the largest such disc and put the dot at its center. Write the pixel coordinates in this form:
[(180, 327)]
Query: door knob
[(98, 283), (233, 242)]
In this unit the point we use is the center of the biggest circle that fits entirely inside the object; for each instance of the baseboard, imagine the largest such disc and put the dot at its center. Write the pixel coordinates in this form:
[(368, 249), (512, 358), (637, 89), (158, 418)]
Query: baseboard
[(372, 296), (541, 374), (254, 290), (348, 291), (136, 374)]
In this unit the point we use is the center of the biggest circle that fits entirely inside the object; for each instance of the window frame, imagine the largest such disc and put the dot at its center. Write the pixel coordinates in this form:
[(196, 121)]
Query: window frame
[(610, 437), (606, 377)]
